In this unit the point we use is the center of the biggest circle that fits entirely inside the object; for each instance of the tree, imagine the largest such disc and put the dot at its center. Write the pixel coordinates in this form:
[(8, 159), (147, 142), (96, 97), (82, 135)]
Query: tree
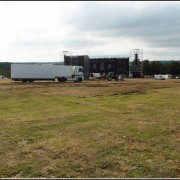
[(5, 69), (173, 68), (156, 67), (164, 68), (146, 67)]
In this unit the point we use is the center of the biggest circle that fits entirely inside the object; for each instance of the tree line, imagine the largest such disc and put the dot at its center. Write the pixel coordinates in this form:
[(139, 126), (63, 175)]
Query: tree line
[(5, 69), (161, 67)]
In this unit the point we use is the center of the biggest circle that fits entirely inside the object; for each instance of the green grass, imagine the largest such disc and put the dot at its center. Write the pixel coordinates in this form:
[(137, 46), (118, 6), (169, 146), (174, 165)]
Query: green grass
[(91, 129)]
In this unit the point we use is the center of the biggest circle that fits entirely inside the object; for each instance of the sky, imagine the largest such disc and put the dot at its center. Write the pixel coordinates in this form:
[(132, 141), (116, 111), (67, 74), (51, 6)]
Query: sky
[(40, 31)]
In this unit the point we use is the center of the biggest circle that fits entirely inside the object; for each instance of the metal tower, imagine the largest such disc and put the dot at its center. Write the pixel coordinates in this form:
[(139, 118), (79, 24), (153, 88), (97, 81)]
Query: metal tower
[(136, 57)]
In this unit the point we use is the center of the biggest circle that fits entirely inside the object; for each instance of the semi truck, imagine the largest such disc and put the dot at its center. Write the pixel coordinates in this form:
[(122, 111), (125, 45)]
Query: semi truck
[(29, 72)]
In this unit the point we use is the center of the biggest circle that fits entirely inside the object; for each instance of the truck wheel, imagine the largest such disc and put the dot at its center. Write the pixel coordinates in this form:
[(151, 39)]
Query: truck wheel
[(109, 78), (79, 79)]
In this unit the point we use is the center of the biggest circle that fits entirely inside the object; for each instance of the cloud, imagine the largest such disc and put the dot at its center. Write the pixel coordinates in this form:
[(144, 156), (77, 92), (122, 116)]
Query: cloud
[(40, 30), (149, 22)]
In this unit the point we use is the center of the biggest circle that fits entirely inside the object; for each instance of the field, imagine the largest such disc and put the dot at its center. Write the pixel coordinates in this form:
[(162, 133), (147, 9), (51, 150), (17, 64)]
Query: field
[(93, 129)]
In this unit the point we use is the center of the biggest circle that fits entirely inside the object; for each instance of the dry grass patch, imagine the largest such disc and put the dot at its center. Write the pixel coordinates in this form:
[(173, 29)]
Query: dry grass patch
[(90, 129)]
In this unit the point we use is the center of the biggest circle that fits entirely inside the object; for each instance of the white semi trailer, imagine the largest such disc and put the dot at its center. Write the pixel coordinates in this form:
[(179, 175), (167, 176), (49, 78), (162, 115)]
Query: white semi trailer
[(29, 72)]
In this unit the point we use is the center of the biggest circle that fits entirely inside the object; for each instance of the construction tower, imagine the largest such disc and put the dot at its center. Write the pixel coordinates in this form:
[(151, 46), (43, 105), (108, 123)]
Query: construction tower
[(135, 66)]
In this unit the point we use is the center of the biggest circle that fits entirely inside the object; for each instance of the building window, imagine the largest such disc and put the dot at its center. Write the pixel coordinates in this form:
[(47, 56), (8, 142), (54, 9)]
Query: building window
[(101, 66), (94, 66)]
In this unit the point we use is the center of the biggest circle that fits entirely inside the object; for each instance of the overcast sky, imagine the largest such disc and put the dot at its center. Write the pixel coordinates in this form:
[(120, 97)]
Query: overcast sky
[(40, 31)]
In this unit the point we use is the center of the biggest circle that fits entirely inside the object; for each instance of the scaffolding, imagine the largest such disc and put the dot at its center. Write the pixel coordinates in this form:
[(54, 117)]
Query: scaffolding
[(135, 60)]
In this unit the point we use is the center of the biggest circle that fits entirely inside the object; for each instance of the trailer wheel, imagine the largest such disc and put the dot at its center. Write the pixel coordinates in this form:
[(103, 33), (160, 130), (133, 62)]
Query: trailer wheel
[(24, 80), (59, 79), (63, 79)]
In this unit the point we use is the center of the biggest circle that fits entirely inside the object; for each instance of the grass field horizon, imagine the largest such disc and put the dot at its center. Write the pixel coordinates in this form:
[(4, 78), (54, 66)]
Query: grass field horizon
[(93, 129)]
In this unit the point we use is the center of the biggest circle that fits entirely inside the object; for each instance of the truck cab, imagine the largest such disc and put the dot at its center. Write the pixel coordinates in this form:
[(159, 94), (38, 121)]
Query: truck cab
[(77, 74)]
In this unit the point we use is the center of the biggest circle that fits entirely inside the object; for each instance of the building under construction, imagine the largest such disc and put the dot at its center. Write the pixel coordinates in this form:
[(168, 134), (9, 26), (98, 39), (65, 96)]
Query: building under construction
[(103, 64)]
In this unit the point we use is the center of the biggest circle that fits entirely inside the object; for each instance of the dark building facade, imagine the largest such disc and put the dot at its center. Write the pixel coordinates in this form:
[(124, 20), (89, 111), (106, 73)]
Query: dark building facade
[(118, 65), (78, 61), (106, 65)]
